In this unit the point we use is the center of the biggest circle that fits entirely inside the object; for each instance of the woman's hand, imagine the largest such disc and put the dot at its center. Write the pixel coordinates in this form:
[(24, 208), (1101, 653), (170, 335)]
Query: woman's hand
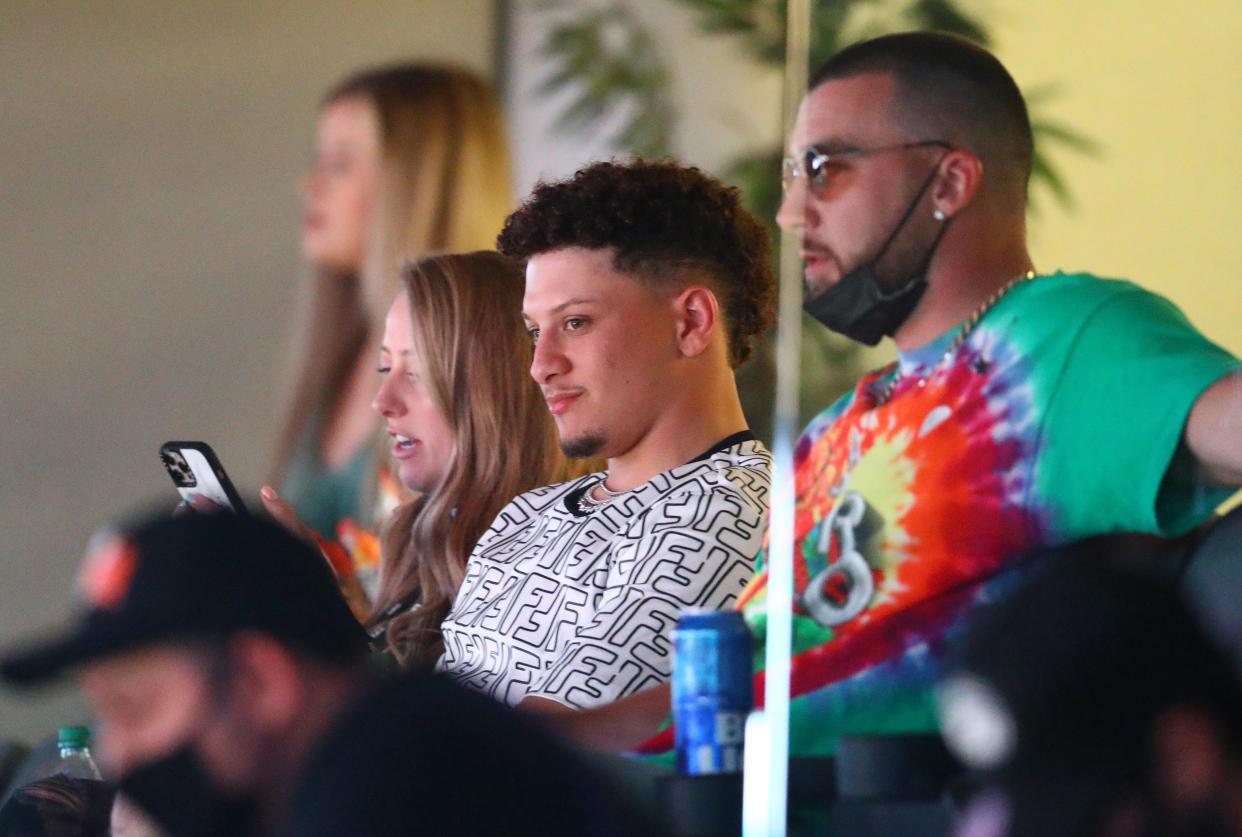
[(284, 514)]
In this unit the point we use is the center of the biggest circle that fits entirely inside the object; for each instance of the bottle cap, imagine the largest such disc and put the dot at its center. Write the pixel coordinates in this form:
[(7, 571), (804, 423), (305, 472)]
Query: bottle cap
[(77, 737)]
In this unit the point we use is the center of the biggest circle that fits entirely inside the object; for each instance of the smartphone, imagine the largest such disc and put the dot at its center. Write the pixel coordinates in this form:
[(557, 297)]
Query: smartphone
[(195, 469)]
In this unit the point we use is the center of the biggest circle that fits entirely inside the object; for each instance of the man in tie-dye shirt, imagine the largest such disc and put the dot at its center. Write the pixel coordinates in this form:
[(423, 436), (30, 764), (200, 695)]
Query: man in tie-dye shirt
[(1024, 410)]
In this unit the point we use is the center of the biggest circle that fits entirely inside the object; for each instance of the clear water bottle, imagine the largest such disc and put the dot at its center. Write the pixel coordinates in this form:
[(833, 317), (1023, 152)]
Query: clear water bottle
[(65, 784), (75, 754)]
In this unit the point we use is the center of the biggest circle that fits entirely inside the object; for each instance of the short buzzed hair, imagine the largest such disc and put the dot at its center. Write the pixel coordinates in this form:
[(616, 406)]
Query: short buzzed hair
[(950, 89)]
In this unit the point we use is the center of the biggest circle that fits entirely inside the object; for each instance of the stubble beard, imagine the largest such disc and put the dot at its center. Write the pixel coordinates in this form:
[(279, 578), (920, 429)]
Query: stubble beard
[(585, 446)]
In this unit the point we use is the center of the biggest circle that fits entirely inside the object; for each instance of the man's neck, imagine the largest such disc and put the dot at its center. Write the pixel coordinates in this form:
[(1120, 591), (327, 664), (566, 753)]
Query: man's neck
[(961, 279), (691, 425)]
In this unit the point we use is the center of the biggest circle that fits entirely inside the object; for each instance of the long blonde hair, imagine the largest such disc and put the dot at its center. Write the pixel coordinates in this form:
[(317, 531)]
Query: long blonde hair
[(444, 185), (469, 333)]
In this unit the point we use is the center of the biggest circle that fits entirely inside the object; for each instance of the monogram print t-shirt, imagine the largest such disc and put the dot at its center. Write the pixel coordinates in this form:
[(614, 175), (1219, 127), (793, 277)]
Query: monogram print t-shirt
[(575, 604)]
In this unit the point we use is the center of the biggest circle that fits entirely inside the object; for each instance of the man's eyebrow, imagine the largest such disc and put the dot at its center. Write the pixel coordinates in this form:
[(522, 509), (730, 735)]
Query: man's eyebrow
[(834, 145), (556, 309)]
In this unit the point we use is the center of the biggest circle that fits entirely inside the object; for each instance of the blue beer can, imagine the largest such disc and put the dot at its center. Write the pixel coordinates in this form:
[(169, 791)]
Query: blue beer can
[(712, 691)]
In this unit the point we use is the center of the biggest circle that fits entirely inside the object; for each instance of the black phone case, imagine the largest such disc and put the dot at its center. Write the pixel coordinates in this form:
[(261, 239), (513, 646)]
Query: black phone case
[(187, 478)]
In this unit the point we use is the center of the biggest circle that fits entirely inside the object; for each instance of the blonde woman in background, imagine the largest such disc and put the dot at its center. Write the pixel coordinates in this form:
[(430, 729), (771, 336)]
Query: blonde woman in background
[(409, 159)]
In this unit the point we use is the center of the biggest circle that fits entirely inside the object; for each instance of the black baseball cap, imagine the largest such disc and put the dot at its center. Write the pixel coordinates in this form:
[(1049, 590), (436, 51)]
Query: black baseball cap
[(165, 579)]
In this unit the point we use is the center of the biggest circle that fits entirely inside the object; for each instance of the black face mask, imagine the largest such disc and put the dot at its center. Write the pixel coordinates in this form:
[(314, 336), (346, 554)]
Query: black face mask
[(180, 796), (857, 307)]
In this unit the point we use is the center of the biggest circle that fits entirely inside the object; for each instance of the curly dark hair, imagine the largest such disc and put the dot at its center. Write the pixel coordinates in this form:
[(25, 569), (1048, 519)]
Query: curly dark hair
[(661, 219)]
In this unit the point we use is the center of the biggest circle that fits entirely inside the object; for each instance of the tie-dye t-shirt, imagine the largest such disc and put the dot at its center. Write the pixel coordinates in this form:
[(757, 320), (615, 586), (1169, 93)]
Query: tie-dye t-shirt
[(1059, 417)]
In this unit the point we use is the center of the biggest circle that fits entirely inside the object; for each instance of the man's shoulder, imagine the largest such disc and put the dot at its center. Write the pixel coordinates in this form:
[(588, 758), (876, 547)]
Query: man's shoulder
[(1096, 316), (1061, 300), (750, 454), (547, 499), (741, 470), (1059, 303), (749, 457), (1071, 290)]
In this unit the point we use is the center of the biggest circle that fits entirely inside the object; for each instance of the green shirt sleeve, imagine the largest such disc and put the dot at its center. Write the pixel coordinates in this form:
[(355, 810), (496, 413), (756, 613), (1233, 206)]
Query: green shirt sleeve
[(1113, 458)]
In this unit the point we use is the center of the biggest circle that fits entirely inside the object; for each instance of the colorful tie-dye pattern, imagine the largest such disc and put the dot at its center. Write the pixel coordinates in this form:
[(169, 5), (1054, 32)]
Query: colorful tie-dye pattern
[(931, 497)]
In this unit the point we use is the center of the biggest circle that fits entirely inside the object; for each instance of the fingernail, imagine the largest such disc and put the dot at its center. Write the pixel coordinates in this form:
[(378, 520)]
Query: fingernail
[(268, 492)]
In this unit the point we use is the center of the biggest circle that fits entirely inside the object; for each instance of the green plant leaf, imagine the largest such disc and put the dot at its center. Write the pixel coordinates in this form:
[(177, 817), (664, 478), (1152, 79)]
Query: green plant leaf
[(944, 16)]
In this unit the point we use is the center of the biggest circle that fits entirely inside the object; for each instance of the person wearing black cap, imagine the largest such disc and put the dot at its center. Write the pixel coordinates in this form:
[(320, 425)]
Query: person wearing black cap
[(233, 693), (1090, 702)]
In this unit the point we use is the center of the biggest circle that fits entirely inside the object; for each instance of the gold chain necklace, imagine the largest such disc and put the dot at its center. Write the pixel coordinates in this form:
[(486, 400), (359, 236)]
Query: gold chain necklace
[(883, 395)]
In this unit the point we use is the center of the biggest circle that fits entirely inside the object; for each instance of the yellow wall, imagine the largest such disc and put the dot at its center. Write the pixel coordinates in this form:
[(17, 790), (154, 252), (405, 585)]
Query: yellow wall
[(1158, 83)]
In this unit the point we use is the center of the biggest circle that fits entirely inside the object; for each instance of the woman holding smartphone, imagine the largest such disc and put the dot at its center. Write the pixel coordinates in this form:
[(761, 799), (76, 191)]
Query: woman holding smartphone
[(468, 431), (410, 159)]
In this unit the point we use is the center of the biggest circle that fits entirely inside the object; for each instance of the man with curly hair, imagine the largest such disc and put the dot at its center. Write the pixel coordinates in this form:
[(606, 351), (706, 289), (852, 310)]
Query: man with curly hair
[(646, 284)]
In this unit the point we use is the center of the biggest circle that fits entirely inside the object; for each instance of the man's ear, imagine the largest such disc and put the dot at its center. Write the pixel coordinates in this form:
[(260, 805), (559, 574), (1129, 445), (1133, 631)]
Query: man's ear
[(268, 683), (1189, 759), (698, 319), (960, 176)]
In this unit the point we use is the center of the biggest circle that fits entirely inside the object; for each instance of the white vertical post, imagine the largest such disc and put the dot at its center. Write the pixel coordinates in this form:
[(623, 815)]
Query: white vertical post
[(755, 770), (766, 777)]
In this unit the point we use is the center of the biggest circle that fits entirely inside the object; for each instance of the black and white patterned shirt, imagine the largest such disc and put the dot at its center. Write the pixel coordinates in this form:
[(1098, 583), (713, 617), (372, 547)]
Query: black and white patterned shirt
[(576, 605)]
